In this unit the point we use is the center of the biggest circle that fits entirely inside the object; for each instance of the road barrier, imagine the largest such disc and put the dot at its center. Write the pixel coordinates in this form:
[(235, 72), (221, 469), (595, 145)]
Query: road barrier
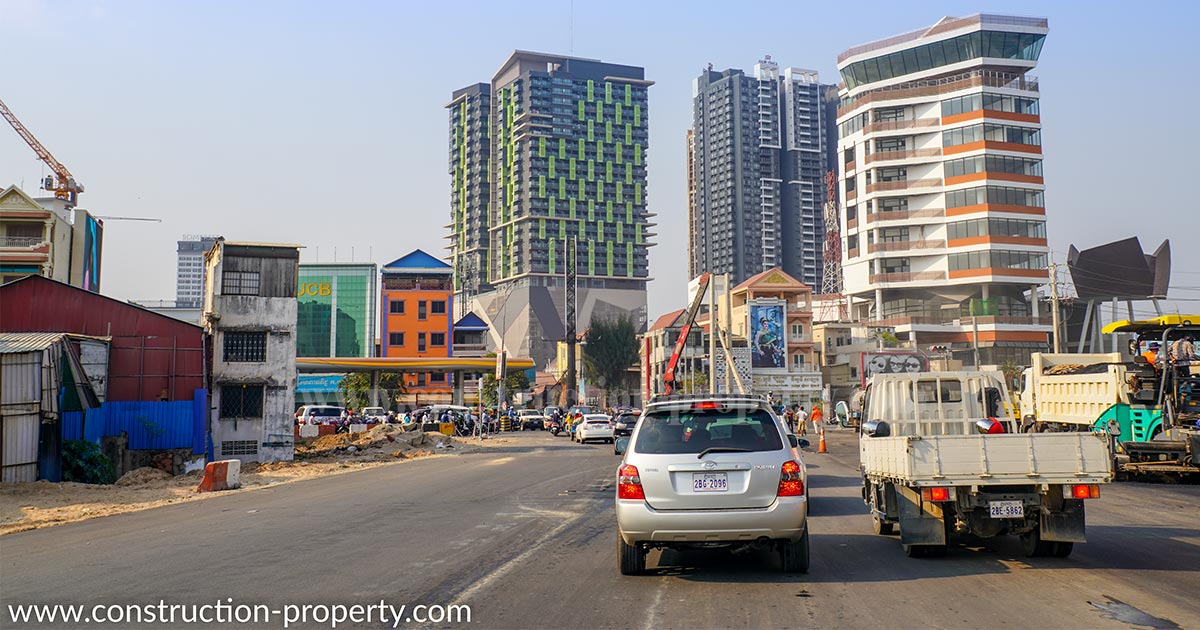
[(223, 475)]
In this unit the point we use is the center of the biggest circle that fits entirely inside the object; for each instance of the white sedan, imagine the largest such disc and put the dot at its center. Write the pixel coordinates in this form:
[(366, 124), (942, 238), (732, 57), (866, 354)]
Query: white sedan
[(595, 426)]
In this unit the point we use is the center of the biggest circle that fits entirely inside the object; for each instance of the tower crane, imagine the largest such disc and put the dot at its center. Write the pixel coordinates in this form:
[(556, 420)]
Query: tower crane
[(64, 185)]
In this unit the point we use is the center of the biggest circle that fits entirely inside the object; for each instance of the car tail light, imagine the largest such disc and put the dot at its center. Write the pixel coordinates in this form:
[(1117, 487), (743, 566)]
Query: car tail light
[(791, 484), (990, 426), (936, 494), (1085, 491), (707, 404), (629, 483)]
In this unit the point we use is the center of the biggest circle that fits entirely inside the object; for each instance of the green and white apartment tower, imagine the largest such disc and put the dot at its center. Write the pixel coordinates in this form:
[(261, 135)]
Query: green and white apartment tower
[(554, 149)]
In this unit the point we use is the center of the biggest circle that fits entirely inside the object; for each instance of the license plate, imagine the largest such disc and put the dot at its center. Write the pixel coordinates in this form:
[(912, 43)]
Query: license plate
[(1006, 509), (710, 482)]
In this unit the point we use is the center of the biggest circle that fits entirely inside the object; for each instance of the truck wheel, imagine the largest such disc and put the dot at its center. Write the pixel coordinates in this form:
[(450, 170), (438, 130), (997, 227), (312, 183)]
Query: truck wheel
[(631, 559), (1063, 549), (914, 551), (1034, 546), (882, 527), (794, 556)]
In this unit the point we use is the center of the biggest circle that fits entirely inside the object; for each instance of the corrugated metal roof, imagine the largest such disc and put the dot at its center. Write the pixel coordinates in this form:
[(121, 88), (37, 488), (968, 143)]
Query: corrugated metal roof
[(15, 343)]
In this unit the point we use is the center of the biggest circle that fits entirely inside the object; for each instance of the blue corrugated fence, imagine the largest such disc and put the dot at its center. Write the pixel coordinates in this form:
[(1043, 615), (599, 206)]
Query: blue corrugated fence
[(149, 425)]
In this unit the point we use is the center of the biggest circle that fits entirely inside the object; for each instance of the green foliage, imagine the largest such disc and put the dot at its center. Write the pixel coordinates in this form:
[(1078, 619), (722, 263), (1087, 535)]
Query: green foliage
[(610, 350), (514, 382), (83, 462), (889, 340), (356, 389)]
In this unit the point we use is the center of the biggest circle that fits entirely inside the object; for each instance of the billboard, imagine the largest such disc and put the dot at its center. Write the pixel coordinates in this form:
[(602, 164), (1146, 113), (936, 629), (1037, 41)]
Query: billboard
[(88, 237), (893, 362), (767, 349)]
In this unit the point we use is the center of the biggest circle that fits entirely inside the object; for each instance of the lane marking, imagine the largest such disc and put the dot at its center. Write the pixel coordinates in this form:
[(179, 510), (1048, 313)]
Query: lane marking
[(497, 462), (653, 607)]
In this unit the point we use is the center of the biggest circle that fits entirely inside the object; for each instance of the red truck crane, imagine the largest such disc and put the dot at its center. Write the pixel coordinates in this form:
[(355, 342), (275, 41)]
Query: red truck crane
[(690, 318)]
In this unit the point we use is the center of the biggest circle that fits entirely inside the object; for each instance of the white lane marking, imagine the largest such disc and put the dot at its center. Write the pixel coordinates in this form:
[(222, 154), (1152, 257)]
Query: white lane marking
[(502, 570), (652, 609)]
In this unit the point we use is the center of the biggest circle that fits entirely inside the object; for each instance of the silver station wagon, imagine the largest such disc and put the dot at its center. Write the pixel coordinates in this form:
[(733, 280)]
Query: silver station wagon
[(704, 472)]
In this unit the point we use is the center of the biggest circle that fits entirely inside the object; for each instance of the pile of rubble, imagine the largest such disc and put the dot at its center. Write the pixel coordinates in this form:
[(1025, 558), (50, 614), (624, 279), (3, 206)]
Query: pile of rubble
[(385, 441)]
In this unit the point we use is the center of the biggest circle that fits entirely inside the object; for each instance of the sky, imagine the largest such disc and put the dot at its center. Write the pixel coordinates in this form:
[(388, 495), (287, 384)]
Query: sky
[(322, 123)]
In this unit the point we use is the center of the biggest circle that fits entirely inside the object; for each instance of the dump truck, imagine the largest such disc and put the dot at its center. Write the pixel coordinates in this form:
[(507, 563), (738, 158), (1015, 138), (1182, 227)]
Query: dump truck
[(940, 460), (1078, 392)]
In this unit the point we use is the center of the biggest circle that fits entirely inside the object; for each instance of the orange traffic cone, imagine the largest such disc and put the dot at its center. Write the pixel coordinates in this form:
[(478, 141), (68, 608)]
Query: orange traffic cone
[(821, 445)]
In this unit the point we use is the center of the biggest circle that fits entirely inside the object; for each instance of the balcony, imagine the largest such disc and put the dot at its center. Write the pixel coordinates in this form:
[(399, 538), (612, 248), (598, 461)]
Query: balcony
[(934, 87), (897, 125), (905, 215), (1012, 320), (883, 156), (904, 246), (904, 184), (470, 350), (21, 241), (906, 276)]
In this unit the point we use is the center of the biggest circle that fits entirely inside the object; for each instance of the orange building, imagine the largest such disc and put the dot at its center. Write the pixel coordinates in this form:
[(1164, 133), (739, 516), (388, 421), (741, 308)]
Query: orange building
[(416, 316)]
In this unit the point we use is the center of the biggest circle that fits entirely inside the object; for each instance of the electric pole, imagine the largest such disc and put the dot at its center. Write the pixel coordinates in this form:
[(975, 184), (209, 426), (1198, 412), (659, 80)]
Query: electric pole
[(1054, 302)]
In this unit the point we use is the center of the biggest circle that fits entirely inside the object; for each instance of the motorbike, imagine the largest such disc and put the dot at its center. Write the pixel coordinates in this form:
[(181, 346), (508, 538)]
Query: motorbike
[(555, 427)]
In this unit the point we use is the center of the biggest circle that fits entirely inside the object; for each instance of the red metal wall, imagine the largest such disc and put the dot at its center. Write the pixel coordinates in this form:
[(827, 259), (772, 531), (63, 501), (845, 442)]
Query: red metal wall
[(149, 352)]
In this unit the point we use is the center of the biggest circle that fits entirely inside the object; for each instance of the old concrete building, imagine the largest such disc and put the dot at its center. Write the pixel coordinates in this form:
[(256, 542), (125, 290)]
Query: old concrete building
[(250, 316), (48, 237)]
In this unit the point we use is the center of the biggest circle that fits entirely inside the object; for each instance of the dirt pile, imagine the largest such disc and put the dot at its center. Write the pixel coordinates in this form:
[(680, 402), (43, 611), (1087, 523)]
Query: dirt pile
[(142, 476), (385, 441)]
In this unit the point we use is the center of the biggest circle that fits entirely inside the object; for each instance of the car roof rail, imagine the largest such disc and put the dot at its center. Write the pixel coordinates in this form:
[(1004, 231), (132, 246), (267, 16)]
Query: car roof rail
[(690, 397)]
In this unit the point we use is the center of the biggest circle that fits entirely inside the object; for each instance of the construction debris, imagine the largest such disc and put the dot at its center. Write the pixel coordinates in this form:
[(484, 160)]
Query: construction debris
[(142, 476)]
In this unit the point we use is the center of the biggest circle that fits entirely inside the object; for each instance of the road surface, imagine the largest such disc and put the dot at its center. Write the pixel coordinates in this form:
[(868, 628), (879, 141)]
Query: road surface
[(525, 535)]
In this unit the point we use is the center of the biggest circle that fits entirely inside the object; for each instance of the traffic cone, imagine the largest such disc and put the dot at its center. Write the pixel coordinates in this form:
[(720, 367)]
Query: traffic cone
[(821, 445)]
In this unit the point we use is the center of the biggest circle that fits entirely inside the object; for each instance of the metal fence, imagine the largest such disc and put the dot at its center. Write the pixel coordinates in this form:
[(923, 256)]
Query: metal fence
[(149, 425)]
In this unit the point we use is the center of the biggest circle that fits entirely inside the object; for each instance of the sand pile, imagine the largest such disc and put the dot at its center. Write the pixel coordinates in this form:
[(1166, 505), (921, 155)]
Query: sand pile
[(142, 476)]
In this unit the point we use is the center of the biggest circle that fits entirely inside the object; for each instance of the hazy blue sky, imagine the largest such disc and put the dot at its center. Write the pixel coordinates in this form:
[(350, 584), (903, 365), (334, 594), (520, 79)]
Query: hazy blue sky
[(321, 123)]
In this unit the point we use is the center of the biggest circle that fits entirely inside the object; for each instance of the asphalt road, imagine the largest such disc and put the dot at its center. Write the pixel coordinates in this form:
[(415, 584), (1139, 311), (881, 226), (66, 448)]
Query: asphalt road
[(525, 535)]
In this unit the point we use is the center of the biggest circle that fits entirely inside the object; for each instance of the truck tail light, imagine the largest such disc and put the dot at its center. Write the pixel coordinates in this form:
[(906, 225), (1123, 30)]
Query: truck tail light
[(990, 426), (629, 483), (1085, 491), (936, 494), (791, 484)]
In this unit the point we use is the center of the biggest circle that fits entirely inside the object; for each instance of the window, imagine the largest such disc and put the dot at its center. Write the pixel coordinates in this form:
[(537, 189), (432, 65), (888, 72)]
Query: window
[(241, 401), (1001, 259), (396, 307), (849, 155), (438, 307), (25, 230), (396, 339), (239, 283), (437, 339), (421, 380), (420, 342), (421, 313), (245, 347), (887, 145), (694, 431), (1003, 195), (440, 377), (851, 212)]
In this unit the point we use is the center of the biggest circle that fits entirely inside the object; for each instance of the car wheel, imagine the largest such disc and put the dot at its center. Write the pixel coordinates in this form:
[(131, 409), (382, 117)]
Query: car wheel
[(1033, 545), (882, 527), (631, 559), (794, 556), (1063, 549)]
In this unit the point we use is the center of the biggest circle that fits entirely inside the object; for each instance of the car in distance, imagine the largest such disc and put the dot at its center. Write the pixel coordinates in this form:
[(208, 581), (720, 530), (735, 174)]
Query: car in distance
[(594, 426), (374, 414), (625, 421), (531, 420), (711, 472), (318, 414)]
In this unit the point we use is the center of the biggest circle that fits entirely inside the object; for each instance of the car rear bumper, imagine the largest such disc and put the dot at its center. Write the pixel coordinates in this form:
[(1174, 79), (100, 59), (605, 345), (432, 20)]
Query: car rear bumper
[(638, 522)]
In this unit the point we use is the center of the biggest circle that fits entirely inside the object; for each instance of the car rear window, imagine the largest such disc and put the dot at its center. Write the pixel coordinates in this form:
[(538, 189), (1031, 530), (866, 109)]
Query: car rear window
[(694, 431), (325, 411)]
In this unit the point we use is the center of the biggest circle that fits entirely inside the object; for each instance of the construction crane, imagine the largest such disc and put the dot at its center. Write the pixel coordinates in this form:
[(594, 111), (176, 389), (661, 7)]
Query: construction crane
[(129, 219), (64, 185)]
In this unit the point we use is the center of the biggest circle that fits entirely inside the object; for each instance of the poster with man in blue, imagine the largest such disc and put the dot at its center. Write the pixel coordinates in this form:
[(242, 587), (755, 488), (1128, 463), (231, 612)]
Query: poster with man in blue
[(766, 334)]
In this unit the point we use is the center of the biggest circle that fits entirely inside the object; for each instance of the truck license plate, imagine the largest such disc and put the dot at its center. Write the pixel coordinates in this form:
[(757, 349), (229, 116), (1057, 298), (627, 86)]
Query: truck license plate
[(709, 482), (1006, 509)]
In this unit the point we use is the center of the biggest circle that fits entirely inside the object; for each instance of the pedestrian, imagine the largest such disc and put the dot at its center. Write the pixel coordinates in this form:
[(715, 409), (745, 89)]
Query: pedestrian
[(790, 418), (802, 420), (816, 418)]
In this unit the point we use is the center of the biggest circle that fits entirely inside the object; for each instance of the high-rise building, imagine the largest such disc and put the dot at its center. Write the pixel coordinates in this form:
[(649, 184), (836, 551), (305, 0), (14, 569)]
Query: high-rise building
[(189, 273), (758, 149), (568, 148), (944, 215), (470, 151)]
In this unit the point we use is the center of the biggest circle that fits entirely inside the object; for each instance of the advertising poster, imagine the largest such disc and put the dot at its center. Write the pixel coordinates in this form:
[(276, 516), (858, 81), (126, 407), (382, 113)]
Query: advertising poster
[(893, 362), (767, 344)]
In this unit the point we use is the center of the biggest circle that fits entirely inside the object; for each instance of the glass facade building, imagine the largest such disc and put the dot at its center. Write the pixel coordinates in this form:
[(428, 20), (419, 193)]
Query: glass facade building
[(336, 311)]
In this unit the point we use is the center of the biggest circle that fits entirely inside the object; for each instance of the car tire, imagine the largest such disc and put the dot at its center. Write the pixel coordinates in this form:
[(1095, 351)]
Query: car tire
[(794, 555), (882, 527), (1033, 545), (631, 559)]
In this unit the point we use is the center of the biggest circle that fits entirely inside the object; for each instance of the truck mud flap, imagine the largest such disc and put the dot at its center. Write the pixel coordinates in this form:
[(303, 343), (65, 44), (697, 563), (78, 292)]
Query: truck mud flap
[(1065, 523), (921, 523)]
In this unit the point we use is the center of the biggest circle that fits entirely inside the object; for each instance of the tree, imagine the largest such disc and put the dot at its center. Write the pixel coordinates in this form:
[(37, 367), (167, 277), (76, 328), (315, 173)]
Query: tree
[(514, 382), (610, 350), (356, 389), (1012, 374)]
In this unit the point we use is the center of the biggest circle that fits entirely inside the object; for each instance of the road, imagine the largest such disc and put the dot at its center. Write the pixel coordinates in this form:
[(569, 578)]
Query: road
[(525, 535)]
